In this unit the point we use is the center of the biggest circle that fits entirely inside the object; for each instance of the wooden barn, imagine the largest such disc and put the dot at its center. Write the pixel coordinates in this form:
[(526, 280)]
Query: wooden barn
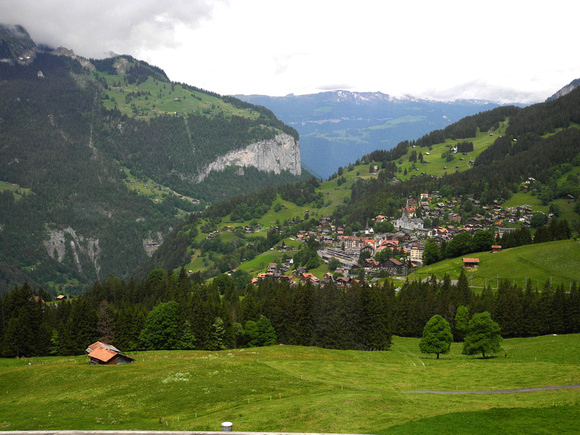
[(104, 354), (470, 263)]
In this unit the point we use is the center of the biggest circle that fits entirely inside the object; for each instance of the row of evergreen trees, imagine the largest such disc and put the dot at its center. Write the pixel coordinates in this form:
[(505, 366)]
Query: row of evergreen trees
[(173, 311)]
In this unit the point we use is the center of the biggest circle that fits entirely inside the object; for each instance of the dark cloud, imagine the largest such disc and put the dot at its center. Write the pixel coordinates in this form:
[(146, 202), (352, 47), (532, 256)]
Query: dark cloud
[(94, 28)]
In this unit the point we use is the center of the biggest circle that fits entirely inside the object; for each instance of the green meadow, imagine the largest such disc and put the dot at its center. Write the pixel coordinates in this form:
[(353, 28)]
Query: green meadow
[(16, 190), (439, 165), (555, 261), (300, 389)]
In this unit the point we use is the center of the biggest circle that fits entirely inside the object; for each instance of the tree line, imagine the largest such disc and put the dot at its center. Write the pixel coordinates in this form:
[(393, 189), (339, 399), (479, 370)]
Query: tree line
[(175, 311)]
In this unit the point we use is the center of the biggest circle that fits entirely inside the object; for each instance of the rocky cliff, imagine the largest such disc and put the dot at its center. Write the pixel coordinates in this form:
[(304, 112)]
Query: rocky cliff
[(279, 154)]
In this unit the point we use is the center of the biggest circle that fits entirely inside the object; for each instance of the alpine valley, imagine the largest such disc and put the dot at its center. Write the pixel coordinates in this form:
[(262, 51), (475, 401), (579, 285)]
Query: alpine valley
[(108, 168)]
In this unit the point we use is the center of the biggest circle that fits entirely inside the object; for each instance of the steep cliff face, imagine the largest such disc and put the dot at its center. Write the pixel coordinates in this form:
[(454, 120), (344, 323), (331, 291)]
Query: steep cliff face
[(279, 154), (59, 240)]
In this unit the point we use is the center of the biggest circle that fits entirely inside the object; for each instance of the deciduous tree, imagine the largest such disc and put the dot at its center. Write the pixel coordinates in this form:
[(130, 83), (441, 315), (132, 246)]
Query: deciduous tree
[(437, 336), (483, 335)]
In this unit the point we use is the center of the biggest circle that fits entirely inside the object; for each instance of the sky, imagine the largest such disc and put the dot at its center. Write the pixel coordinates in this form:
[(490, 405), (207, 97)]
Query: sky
[(502, 50)]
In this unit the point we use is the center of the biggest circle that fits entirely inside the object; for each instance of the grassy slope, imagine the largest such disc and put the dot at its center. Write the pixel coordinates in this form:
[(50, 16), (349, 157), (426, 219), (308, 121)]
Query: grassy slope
[(16, 190), (438, 164), (159, 97), (555, 260), (296, 389)]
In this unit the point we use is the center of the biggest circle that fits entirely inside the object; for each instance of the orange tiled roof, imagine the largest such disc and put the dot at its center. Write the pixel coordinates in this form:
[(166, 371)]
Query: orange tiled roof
[(102, 354)]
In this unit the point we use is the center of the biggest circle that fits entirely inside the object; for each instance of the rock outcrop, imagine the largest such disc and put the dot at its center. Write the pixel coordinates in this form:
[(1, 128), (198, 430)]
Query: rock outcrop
[(57, 244), (276, 155)]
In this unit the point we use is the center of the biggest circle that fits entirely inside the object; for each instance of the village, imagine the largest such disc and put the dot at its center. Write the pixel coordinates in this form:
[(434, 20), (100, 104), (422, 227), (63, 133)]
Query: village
[(397, 253)]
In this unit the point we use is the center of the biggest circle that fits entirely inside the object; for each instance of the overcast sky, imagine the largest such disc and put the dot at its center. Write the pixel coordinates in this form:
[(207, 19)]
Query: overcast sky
[(504, 50)]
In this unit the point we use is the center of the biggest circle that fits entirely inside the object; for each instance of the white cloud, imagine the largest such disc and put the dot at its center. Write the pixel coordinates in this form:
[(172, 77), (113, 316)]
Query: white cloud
[(447, 49)]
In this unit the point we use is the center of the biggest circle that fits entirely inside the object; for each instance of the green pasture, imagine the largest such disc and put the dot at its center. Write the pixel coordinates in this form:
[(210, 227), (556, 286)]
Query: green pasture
[(299, 389), (555, 261), (16, 190), (439, 166), (152, 98), (525, 198)]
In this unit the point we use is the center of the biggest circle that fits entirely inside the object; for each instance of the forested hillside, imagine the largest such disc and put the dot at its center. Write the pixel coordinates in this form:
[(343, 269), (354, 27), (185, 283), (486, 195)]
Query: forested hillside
[(99, 159), (541, 142)]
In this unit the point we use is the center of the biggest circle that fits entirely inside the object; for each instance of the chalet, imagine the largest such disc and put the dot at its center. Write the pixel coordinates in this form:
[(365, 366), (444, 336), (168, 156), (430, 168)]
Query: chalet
[(394, 266), (368, 248), (308, 277), (495, 249), (454, 217), (470, 263), (327, 278), (343, 281), (371, 263), (104, 354), (61, 297), (409, 211)]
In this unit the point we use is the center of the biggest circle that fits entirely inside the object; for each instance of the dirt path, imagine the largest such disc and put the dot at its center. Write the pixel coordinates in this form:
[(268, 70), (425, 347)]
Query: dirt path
[(511, 390)]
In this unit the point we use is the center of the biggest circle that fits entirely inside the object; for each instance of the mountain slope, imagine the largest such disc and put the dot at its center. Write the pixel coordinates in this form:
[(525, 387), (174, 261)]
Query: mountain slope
[(565, 90), (100, 158), (336, 128)]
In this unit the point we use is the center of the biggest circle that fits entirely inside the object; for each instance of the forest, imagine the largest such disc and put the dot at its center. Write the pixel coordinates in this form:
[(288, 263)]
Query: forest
[(176, 311)]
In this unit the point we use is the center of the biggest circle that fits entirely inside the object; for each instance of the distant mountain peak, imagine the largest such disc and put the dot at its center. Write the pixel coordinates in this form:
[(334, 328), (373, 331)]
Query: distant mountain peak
[(15, 43)]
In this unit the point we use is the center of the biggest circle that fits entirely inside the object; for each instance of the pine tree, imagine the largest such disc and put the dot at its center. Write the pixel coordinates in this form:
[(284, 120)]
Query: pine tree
[(460, 323), (303, 310), (374, 330)]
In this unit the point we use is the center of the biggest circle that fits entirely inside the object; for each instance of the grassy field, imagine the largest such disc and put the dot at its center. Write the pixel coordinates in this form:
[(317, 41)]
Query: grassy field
[(557, 261), (299, 389), (152, 98), (439, 165), (16, 190)]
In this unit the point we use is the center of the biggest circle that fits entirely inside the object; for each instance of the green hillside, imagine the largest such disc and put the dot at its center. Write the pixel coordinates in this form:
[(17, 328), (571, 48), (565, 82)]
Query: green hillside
[(437, 155), (298, 389), (554, 261)]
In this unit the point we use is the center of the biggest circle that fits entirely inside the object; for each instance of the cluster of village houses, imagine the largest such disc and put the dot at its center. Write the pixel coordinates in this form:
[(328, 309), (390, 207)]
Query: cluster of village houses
[(408, 240)]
